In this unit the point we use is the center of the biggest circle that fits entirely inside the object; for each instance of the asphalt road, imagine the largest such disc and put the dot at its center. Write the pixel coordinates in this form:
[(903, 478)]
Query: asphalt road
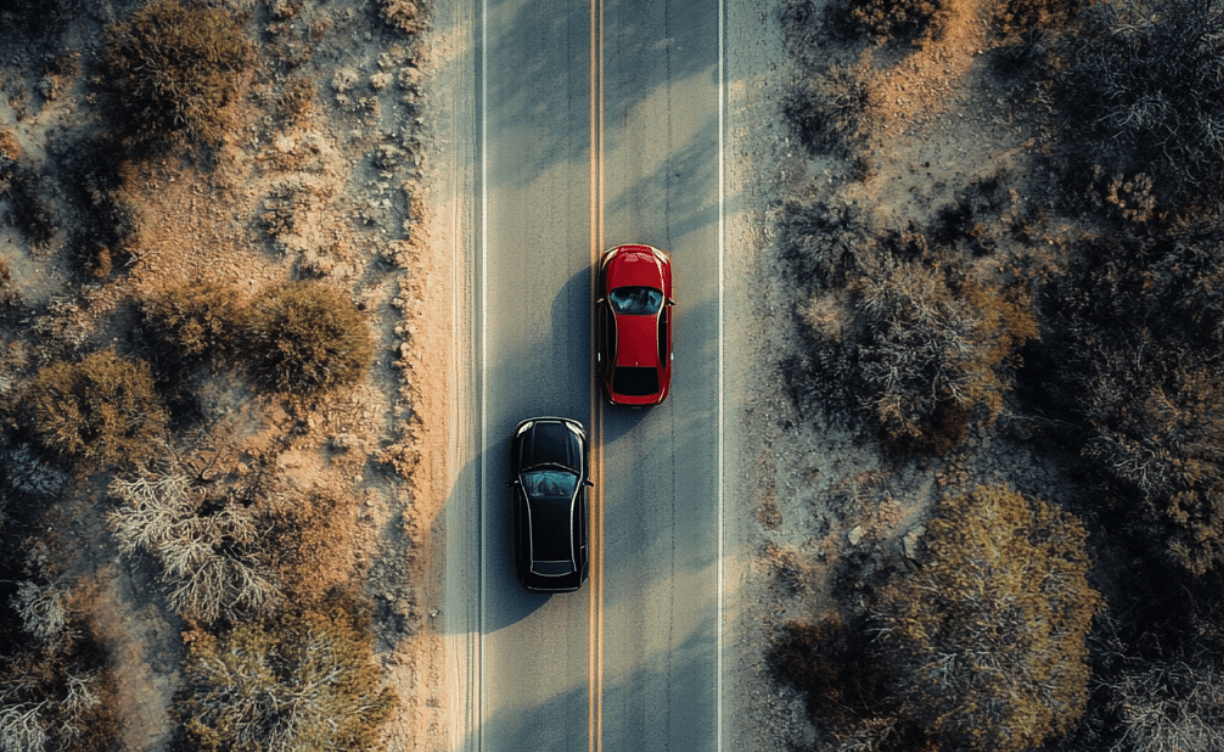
[(596, 125)]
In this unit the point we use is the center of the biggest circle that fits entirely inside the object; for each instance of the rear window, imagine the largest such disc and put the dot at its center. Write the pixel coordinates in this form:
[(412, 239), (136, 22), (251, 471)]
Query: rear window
[(632, 381)]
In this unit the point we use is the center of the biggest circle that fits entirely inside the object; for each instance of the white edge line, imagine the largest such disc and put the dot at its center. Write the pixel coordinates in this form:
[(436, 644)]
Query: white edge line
[(718, 700), (484, 351)]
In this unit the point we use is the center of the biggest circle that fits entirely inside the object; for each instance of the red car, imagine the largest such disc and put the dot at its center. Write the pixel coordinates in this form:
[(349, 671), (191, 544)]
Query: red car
[(635, 325)]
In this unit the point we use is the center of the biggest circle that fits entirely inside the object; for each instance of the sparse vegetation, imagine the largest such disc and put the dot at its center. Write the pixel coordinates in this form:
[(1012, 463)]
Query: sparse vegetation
[(98, 412), (305, 339), (175, 70), (304, 682)]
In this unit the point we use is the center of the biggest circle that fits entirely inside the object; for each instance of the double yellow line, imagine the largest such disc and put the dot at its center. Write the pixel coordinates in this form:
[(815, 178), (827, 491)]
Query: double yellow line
[(596, 590)]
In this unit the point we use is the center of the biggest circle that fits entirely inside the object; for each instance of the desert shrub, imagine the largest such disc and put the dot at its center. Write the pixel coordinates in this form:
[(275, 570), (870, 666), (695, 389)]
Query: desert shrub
[(846, 688), (100, 411), (175, 69), (42, 609), (297, 101), (929, 355), (198, 320), (1168, 704), (407, 16), (985, 643), (1020, 16), (889, 19), (828, 110), (211, 548), (112, 218), (30, 213), (1143, 90), (898, 331), (1137, 328), (38, 19), (311, 543), (1157, 433), (304, 339), (305, 682), (56, 691)]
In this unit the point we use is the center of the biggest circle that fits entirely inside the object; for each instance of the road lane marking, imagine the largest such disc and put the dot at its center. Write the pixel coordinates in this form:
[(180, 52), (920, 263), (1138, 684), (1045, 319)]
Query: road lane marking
[(718, 641), (482, 372), (595, 617)]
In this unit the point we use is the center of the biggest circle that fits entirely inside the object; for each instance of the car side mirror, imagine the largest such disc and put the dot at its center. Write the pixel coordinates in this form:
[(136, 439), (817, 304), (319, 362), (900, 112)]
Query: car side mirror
[(599, 301), (588, 484), (670, 301), (512, 483)]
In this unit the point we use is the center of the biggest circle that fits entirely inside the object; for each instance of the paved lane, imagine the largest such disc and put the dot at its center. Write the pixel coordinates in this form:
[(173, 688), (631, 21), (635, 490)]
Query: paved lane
[(660, 465), (537, 355)]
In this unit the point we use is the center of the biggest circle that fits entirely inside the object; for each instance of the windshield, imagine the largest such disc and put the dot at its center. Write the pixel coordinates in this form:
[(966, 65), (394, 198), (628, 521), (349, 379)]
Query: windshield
[(553, 484), (636, 301)]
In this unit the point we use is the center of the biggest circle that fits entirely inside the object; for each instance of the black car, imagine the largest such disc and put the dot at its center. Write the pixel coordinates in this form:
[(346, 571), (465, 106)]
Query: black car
[(550, 475)]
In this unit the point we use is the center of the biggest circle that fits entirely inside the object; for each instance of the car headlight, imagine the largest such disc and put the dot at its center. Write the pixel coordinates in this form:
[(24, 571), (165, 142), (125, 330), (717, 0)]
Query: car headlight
[(660, 255)]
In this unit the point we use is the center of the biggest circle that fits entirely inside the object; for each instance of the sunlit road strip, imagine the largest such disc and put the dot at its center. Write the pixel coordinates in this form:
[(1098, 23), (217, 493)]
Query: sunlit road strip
[(722, 94), (483, 74), (595, 589)]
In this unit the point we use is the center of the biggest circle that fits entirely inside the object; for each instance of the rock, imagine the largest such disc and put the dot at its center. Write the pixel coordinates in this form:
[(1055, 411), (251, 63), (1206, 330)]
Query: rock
[(910, 541), (855, 535)]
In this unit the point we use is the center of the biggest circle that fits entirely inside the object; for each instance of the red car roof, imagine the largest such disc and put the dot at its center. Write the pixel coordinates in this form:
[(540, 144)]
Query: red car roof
[(638, 341)]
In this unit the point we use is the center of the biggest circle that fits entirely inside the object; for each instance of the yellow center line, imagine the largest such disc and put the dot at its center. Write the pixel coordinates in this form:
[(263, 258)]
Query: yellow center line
[(596, 590)]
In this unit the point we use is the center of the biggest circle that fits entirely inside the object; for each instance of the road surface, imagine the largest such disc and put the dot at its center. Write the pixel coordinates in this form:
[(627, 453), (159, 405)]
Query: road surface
[(594, 124)]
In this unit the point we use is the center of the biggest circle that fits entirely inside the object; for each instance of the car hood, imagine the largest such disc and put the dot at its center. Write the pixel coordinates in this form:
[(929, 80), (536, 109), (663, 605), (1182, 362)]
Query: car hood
[(635, 268), (550, 442), (637, 341)]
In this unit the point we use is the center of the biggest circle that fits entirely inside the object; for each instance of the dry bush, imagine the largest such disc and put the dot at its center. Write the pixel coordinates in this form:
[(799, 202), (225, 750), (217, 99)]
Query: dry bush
[(1168, 705), (985, 643), (56, 689), (42, 609), (174, 70), (1143, 90), (897, 330), (928, 356), (408, 16), (211, 550), (892, 19), (100, 178), (845, 688), (98, 412), (1137, 332), (1021, 16), (311, 543), (38, 19), (199, 321), (297, 101), (304, 339), (30, 213), (829, 110), (305, 682)]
